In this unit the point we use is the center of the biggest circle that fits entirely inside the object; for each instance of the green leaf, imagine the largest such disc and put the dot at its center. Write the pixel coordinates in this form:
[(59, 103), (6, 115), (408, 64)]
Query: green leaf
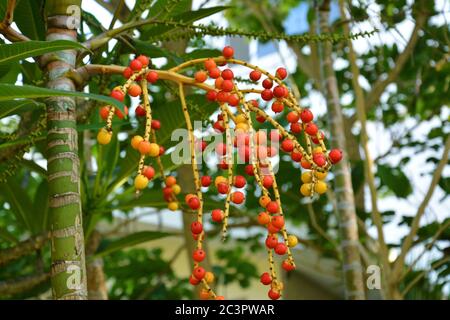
[(8, 108), (22, 50), (19, 201), (395, 179), (131, 240), (28, 15), (7, 236), (11, 92), (9, 72), (40, 204)]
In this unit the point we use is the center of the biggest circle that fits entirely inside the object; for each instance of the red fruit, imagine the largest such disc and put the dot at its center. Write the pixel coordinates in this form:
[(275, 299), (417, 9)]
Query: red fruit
[(293, 117), (136, 65), (218, 126), (267, 181), (237, 197), (280, 249), (319, 159), (271, 242), (193, 280), (221, 149), (272, 151), (223, 165), (273, 294), (278, 222), (260, 119), (228, 52), (272, 207), (218, 83), (199, 273), (296, 156), (140, 111), (272, 229), (217, 215), (287, 145), (152, 76), (214, 72), (222, 96), (161, 150), (119, 113), (266, 279), (222, 188), (194, 203), (144, 60), (288, 266), (196, 227), (296, 127), (316, 140), (281, 73), (335, 155), (227, 74), (104, 112), (118, 95), (267, 83), (275, 136), (198, 255), (149, 172), (306, 115), (244, 153), (254, 103), (156, 124), (255, 75), (311, 129), (134, 90), (263, 218), (200, 76), (267, 95), (277, 107), (206, 181), (211, 95), (128, 72), (279, 92), (249, 170), (239, 181), (210, 64), (167, 191), (305, 164), (233, 100), (227, 85)]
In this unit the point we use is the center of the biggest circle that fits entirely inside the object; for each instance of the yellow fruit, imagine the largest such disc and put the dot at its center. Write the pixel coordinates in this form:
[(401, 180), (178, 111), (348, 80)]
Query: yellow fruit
[(140, 182), (173, 206), (320, 187), (154, 150), (176, 189), (220, 179), (135, 142), (292, 240), (317, 150), (209, 277), (242, 127), (306, 189), (104, 136), (264, 201), (320, 175), (240, 118), (307, 177)]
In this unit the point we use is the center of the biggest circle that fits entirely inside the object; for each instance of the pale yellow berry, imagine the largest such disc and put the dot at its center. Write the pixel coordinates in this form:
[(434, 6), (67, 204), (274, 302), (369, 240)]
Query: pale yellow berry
[(292, 240), (306, 189), (173, 206), (154, 150), (220, 179), (135, 142), (320, 187), (104, 136), (176, 189), (243, 127), (140, 182), (307, 177), (209, 277), (317, 150), (240, 119), (320, 175)]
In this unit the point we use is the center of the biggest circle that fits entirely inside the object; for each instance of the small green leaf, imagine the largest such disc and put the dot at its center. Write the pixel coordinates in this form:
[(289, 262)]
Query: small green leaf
[(8, 108), (395, 179)]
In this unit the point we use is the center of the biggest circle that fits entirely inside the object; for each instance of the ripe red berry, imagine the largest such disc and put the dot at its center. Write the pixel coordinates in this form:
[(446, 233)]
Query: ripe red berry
[(127, 73), (279, 92), (136, 65), (223, 188), (273, 294), (233, 100), (228, 52), (281, 73), (249, 170), (272, 229), (156, 124), (227, 85), (277, 107), (217, 215), (267, 83), (296, 127), (287, 145), (199, 273), (260, 119), (223, 165), (237, 197), (218, 126), (134, 90), (149, 172), (280, 249), (293, 117), (199, 255), (255, 75), (206, 181), (227, 74), (296, 156), (211, 95), (266, 279), (239, 181), (194, 203), (196, 227), (210, 64), (104, 112), (306, 115), (140, 111), (222, 96), (118, 95), (311, 129), (335, 155), (152, 76), (305, 164), (267, 181), (316, 140), (288, 266), (214, 72), (193, 280), (267, 94), (278, 222), (271, 242), (200, 76), (263, 218), (144, 60), (119, 113), (320, 159), (272, 207)]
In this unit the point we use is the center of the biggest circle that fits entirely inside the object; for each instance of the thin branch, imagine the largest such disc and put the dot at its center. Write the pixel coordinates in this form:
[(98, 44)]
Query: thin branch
[(5, 26), (407, 243), (318, 228), (23, 248), (15, 286)]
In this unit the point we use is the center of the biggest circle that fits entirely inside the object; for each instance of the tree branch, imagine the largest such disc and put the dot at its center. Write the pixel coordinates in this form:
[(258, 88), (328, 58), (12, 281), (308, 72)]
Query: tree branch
[(23, 248), (15, 286), (5, 26), (407, 243)]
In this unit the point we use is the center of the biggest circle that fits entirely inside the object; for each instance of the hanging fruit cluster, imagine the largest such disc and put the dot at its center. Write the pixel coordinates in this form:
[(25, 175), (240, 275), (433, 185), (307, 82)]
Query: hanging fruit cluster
[(250, 145)]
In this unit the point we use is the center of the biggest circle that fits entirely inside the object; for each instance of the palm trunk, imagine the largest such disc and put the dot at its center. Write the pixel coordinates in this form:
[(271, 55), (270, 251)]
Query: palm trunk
[(352, 268), (68, 271), (95, 274)]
